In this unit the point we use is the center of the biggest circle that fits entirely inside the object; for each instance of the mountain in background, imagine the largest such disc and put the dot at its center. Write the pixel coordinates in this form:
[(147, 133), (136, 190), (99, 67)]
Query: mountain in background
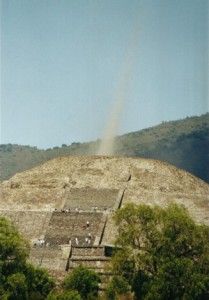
[(183, 143)]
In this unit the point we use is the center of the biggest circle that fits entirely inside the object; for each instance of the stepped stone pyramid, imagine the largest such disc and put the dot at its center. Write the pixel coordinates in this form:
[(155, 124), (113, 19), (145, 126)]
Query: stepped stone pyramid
[(65, 206)]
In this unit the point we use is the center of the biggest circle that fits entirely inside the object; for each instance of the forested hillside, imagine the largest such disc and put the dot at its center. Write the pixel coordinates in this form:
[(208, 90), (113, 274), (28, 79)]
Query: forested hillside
[(183, 143)]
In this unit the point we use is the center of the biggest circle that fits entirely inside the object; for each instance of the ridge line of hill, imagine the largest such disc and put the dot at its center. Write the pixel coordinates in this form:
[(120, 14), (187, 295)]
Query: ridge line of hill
[(183, 143)]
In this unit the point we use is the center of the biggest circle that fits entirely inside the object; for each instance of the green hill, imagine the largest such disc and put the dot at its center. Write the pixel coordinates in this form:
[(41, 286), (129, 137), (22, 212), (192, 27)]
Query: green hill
[(183, 143)]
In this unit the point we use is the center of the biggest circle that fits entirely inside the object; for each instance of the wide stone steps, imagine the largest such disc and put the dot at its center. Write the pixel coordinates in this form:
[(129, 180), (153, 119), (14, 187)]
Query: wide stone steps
[(76, 228), (98, 263), (87, 251), (89, 258)]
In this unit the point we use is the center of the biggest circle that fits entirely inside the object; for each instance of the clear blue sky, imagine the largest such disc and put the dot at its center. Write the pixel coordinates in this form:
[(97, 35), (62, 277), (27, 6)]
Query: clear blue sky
[(61, 61)]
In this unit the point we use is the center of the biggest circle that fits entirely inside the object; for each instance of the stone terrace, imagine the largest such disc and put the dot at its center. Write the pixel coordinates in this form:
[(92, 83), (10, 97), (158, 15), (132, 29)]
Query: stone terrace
[(51, 258), (87, 251), (92, 257), (67, 226), (90, 198), (32, 224)]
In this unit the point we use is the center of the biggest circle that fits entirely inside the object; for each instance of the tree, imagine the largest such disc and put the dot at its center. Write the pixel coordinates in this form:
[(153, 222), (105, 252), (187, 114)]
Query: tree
[(18, 279), (83, 280), (117, 286), (13, 248), (13, 253), (16, 287), (164, 254), (39, 282), (65, 295)]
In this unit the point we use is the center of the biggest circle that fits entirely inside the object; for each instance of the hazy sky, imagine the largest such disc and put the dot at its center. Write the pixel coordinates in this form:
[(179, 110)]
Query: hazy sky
[(61, 62)]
